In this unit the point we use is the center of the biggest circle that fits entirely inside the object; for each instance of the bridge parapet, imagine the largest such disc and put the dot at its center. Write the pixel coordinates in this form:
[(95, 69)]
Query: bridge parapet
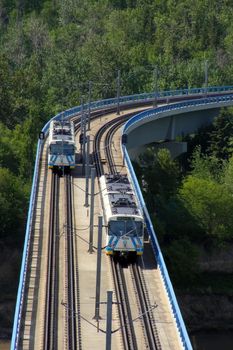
[(160, 261)]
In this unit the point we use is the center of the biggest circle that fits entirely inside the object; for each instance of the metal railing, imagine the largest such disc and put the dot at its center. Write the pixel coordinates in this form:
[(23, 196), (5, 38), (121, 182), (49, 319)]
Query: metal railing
[(146, 115), (68, 114), (139, 97), (159, 258), (25, 257)]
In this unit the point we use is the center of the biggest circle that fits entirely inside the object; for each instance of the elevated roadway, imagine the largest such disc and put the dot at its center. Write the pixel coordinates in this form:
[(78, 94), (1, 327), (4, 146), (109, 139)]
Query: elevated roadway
[(28, 330)]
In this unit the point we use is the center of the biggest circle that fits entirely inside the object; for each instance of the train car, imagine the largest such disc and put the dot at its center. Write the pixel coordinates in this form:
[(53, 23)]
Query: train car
[(123, 216), (61, 147)]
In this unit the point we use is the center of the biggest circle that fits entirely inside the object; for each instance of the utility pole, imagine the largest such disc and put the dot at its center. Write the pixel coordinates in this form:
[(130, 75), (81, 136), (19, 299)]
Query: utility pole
[(89, 105), (81, 128), (206, 77), (84, 141), (63, 156), (90, 250), (155, 73), (109, 321), (118, 90), (98, 270), (87, 171)]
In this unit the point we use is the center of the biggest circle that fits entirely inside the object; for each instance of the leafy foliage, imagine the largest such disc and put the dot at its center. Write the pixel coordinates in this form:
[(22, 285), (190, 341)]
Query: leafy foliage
[(210, 204), (221, 139), (181, 256), (12, 204), (160, 173)]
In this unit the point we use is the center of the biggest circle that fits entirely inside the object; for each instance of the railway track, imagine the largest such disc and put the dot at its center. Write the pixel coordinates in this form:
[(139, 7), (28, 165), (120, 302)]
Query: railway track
[(152, 338), (51, 319), (73, 332), (126, 321), (112, 125), (145, 310), (50, 341), (71, 311)]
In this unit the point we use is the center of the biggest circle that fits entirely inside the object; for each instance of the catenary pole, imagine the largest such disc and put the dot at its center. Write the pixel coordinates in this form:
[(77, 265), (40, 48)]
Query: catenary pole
[(206, 76), (109, 320), (87, 171), (98, 269), (118, 90), (90, 250), (155, 86), (89, 105)]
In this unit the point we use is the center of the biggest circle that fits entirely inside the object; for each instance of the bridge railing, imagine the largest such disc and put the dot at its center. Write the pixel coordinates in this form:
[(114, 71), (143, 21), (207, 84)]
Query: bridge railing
[(159, 258), (221, 100), (68, 114), (138, 97), (25, 256)]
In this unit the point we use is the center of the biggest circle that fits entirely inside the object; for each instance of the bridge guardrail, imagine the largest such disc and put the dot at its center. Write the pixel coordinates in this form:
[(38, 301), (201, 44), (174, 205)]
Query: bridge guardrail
[(25, 256), (160, 261), (151, 113), (68, 114), (139, 97)]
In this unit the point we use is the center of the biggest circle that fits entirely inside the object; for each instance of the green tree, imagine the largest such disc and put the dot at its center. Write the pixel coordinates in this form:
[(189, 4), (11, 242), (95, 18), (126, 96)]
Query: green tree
[(24, 141), (182, 260), (221, 139), (161, 173), (228, 176), (205, 167), (8, 157), (210, 204), (13, 206)]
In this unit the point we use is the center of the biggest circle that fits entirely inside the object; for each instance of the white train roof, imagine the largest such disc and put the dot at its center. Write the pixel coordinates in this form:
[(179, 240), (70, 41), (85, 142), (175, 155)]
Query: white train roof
[(61, 131), (118, 196)]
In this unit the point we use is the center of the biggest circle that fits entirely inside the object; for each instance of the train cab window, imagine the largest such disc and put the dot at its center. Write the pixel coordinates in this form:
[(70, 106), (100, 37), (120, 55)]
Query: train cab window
[(134, 228), (129, 228), (59, 149), (116, 228)]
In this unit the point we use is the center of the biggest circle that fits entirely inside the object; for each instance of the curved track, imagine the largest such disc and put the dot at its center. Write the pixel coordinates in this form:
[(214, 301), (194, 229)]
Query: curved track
[(129, 337)]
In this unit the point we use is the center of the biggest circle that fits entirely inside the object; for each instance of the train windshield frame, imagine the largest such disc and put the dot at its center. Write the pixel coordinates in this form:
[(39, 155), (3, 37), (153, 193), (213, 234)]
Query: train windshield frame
[(129, 228), (61, 149)]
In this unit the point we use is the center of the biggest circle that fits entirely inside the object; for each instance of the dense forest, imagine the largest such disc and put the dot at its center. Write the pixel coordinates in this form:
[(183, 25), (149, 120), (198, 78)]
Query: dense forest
[(50, 50)]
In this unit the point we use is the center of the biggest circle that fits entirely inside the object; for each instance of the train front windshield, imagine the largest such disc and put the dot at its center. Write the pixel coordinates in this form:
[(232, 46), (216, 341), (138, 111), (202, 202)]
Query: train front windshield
[(125, 228), (59, 149)]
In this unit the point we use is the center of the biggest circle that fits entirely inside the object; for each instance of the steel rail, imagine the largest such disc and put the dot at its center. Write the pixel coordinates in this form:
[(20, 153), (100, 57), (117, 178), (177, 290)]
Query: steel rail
[(108, 141), (97, 140), (50, 322), (127, 327), (146, 309), (128, 333), (71, 306)]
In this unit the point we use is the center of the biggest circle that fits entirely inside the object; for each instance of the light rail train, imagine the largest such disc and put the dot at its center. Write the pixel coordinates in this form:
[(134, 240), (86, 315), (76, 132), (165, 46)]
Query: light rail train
[(61, 148), (123, 216)]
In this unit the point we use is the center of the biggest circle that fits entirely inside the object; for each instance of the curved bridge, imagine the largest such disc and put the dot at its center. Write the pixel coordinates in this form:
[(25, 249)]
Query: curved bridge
[(171, 121)]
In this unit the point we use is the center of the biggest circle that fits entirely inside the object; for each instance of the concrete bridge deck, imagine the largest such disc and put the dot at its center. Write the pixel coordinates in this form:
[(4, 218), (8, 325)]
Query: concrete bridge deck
[(32, 330)]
